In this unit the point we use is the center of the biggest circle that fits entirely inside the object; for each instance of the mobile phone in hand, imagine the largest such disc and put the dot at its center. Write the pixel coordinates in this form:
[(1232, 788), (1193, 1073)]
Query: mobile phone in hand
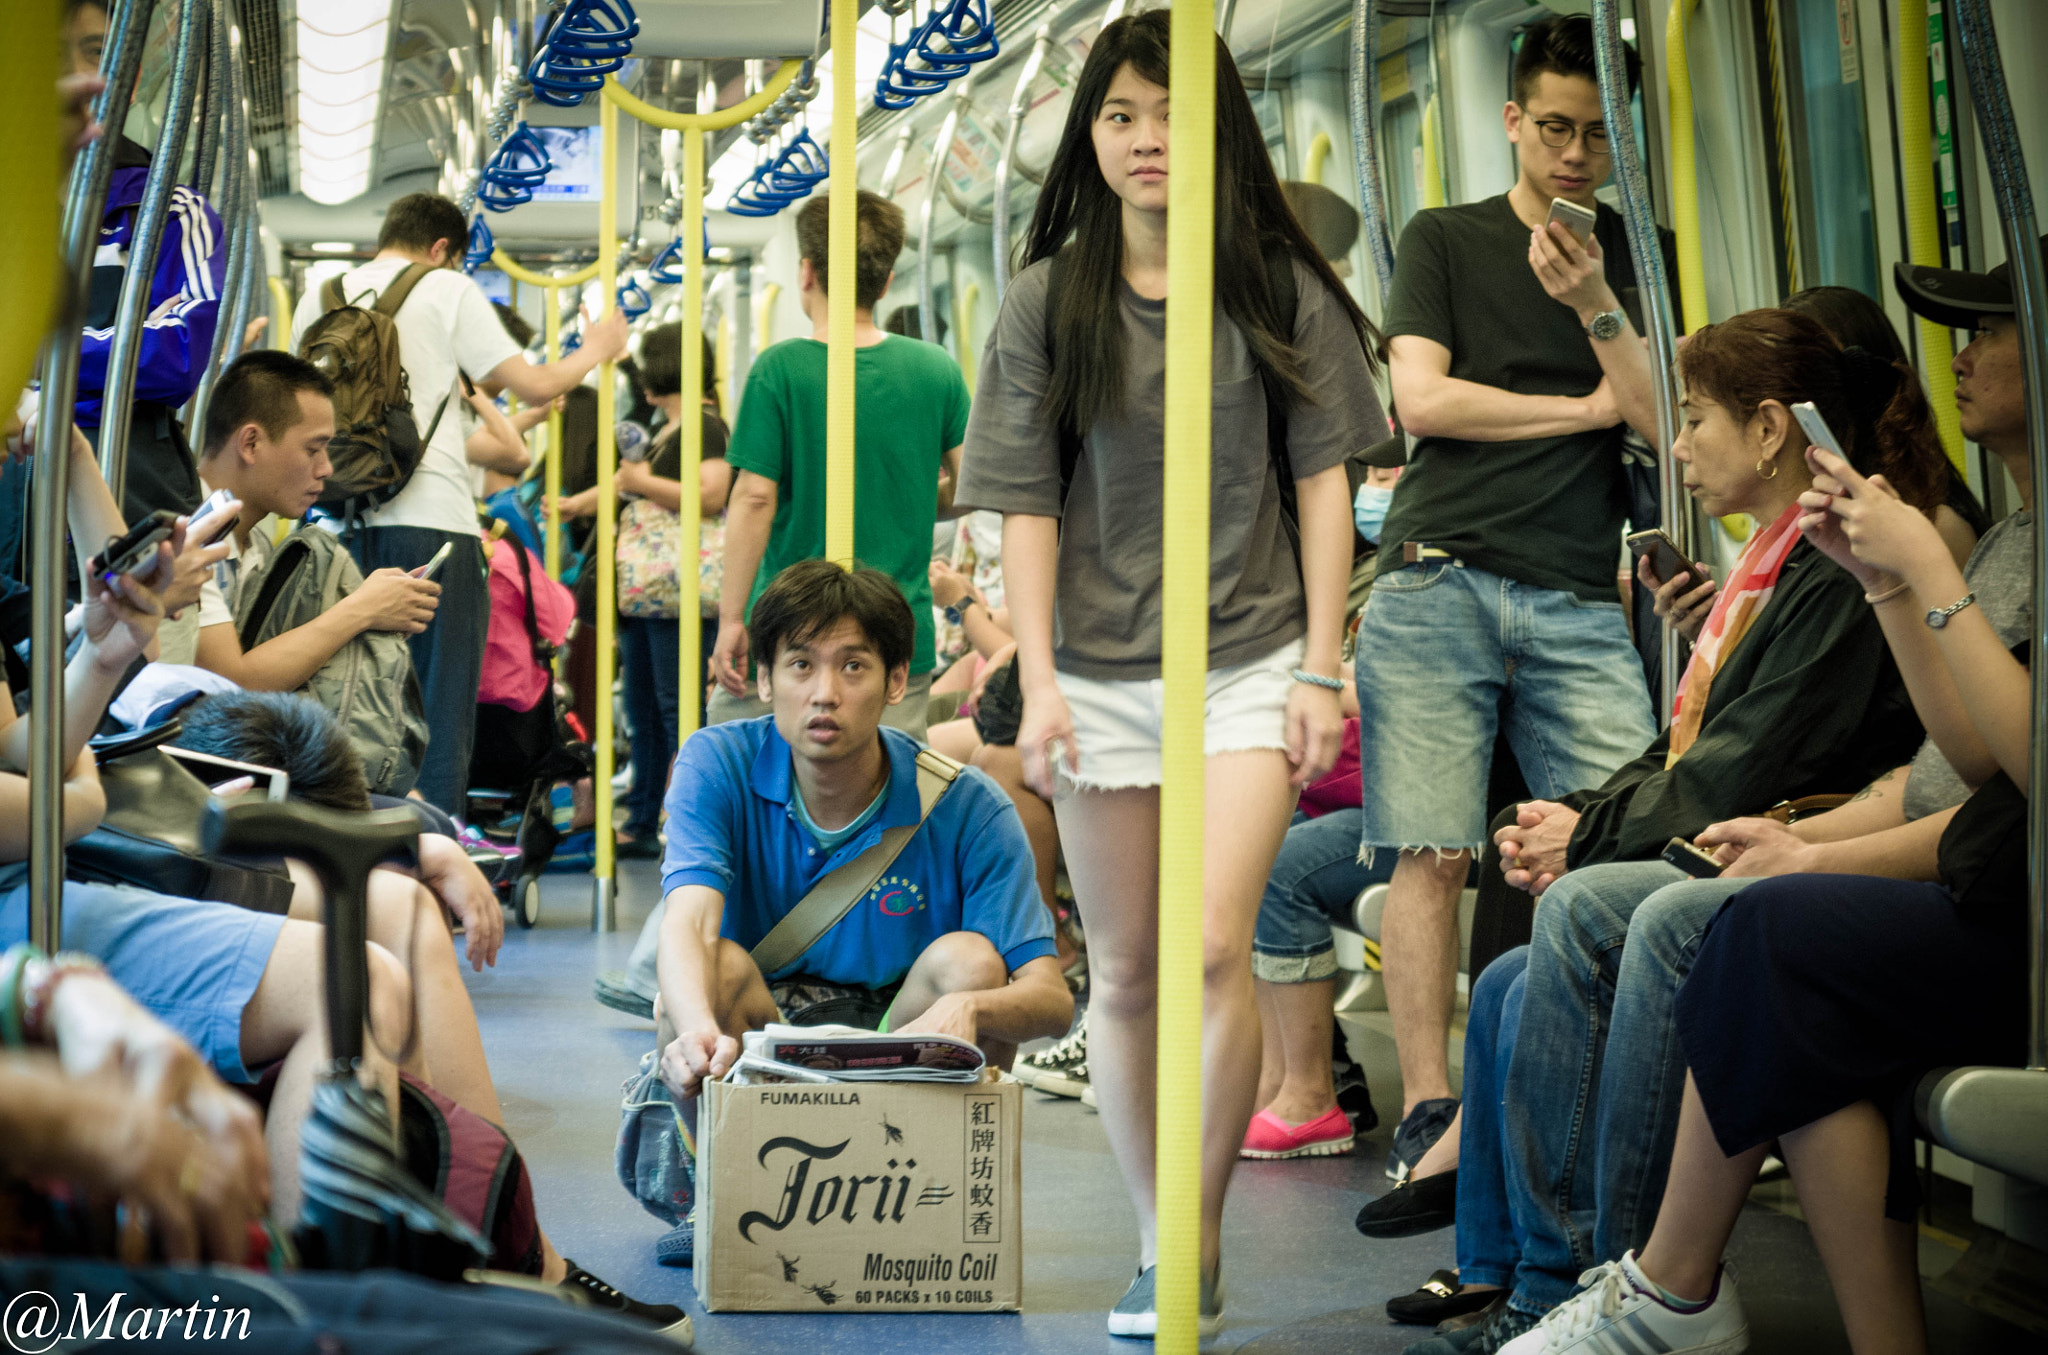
[(433, 566), (1574, 218), (1694, 861), (134, 551), (1665, 560), (211, 522), (1816, 428)]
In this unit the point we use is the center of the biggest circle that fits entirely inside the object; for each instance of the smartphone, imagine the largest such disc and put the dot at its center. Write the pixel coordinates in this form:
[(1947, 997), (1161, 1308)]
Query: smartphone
[(433, 566), (1665, 558), (1694, 861), (202, 528), (1816, 428), (1574, 218), (271, 783), (135, 548)]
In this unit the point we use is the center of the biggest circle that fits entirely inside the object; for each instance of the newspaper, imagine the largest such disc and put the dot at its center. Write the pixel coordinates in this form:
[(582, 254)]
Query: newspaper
[(848, 1054)]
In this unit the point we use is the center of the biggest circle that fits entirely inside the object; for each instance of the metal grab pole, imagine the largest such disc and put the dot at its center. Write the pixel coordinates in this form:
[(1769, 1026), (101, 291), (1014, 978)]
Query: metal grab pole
[(2015, 199), (245, 298), (236, 203), (117, 408), (942, 146), (86, 199), (1006, 163), (1365, 146), (604, 903), (689, 508), (842, 236), (1654, 289), (215, 110)]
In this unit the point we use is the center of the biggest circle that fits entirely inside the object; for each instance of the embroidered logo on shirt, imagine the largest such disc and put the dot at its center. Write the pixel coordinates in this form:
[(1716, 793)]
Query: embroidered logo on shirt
[(896, 896)]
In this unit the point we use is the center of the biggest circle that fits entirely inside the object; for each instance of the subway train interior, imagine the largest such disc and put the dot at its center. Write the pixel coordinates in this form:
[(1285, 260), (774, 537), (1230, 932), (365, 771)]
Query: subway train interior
[(438, 1108)]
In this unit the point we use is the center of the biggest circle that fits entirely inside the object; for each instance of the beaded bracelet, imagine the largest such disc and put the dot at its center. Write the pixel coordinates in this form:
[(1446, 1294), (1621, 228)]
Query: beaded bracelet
[(1317, 680), (11, 966)]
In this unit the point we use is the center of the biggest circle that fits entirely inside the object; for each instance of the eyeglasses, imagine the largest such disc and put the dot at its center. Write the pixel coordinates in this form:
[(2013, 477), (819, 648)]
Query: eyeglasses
[(1558, 134)]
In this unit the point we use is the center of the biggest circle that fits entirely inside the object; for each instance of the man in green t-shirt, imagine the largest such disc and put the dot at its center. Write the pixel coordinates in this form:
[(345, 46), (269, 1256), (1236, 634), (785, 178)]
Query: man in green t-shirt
[(910, 415)]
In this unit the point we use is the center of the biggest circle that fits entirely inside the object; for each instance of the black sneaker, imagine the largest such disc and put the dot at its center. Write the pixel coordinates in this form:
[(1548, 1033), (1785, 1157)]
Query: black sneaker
[(1502, 1325), (1354, 1098), (1061, 1069), (1418, 1132), (613, 990), (1420, 1204), (665, 1318)]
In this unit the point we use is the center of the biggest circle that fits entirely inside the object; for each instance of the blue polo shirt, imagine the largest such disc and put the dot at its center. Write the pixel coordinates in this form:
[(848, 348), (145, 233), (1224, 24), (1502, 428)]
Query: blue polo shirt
[(733, 827)]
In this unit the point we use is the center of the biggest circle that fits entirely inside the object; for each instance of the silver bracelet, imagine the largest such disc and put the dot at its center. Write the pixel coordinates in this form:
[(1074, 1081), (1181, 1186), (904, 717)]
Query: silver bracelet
[(1317, 680)]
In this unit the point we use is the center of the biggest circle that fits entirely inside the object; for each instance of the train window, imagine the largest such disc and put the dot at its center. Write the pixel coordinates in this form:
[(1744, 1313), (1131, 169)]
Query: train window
[(1831, 148)]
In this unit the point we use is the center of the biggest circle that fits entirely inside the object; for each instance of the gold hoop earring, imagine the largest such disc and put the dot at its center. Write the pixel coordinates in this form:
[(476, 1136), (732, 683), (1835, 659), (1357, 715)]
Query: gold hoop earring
[(1763, 461)]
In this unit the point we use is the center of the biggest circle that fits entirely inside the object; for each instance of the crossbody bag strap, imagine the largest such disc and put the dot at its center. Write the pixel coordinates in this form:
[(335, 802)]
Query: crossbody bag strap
[(833, 897)]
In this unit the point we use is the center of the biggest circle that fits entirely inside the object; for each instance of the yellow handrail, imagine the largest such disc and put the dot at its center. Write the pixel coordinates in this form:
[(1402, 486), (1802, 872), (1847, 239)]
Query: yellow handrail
[(511, 268), (1432, 166), (690, 635), (1923, 216), (603, 872), (281, 312), (551, 482), (764, 316), (1318, 151), (33, 171), (1184, 663), (963, 321), (840, 264), (615, 94), (1685, 184)]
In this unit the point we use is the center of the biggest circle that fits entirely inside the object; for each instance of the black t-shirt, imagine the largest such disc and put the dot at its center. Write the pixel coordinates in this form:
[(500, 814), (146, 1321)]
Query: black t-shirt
[(1541, 511), (667, 461)]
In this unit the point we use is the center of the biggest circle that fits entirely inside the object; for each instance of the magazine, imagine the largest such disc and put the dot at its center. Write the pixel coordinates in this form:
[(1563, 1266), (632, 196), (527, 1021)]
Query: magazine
[(848, 1054)]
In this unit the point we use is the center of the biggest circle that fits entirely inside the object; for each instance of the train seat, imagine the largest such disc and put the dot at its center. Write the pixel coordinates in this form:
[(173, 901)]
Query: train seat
[(1991, 1116)]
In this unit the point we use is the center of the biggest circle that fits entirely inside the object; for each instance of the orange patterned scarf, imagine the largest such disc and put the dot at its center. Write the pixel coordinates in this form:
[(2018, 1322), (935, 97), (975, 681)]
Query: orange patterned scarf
[(1736, 607)]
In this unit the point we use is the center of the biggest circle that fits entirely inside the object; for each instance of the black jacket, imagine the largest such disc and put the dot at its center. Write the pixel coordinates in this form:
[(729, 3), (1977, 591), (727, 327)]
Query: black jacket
[(1808, 703)]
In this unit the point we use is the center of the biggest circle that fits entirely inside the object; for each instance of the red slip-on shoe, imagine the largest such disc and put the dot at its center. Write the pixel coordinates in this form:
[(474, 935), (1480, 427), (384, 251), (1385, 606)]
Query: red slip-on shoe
[(1269, 1136)]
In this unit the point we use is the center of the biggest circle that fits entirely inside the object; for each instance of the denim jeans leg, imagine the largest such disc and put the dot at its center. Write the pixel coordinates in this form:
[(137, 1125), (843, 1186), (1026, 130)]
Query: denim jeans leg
[(1488, 1245), (1578, 707), (1554, 1075), (1314, 881), (664, 645), (1642, 1077), (643, 801)]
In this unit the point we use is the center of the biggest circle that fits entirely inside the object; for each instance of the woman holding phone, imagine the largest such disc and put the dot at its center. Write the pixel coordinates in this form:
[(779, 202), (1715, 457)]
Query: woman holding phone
[(1066, 442)]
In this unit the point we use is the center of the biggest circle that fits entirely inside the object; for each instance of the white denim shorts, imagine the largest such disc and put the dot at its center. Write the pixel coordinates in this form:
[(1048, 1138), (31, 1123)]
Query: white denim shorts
[(1117, 724)]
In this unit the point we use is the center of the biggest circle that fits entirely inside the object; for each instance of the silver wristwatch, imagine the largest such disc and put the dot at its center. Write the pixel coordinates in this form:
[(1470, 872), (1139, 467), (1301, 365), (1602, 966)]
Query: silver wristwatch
[(1938, 617), (1607, 325)]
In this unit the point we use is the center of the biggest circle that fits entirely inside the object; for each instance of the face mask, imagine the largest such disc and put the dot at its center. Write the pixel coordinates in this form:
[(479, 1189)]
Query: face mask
[(1370, 510)]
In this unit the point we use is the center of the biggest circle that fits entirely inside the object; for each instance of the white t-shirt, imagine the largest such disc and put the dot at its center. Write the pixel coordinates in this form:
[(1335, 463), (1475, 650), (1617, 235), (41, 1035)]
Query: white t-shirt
[(446, 324), (217, 596)]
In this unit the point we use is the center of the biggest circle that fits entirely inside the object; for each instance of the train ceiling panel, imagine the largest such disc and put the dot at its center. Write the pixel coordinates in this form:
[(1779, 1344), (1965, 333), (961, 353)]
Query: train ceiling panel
[(712, 29)]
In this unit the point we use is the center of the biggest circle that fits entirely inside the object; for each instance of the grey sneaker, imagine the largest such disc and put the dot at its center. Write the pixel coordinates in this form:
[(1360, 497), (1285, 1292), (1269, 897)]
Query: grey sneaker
[(614, 991), (1061, 1069), (1137, 1312), (1417, 1133)]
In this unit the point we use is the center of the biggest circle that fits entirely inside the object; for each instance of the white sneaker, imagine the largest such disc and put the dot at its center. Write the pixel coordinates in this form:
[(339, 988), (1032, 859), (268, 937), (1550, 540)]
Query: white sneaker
[(1618, 1311), (1061, 1069)]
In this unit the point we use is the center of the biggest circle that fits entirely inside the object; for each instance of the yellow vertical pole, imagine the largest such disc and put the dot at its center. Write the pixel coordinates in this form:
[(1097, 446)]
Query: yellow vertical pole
[(963, 321), (603, 903), (725, 364), (764, 314), (1923, 216), (845, 219), (689, 635), (551, 325), (1184, 664), (1685, 183)]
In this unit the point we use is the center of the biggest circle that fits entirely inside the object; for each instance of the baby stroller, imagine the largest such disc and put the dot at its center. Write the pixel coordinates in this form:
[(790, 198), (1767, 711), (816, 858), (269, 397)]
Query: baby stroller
[(526, 743)]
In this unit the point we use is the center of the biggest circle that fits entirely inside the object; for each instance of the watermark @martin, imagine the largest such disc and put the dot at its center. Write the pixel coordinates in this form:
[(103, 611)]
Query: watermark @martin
[(35, 1321)]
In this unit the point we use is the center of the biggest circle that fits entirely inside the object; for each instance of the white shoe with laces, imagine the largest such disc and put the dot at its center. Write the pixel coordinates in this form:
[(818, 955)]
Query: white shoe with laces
[(1618, 1311)]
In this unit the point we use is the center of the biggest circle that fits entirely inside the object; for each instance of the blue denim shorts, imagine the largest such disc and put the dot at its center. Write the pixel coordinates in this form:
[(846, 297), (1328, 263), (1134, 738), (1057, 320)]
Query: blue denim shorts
[(1446, 653), (194, 965), (1315, 880)]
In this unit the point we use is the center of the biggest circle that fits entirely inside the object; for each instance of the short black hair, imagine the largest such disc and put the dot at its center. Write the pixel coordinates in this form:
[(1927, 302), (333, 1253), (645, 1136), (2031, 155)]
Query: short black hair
[(295, 734), (1855, 320), (909, 322), (878, 239), (661, 361), (261, 387), (417, 220), (812, 596), (1563, 45), (516, 325)]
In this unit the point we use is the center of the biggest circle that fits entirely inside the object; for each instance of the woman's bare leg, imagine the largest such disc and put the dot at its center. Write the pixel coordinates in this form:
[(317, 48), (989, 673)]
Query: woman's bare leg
[(1006, 766), (1299, 1018), (1841, 1165), (1702, 1198)]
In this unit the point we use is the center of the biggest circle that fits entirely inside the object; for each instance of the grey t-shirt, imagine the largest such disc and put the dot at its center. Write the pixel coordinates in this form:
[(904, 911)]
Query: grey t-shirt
[(1107, 609), (2001, 574)]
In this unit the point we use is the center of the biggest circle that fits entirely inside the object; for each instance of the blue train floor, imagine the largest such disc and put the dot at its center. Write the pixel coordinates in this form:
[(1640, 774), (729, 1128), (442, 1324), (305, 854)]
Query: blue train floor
[(1298, 1276)]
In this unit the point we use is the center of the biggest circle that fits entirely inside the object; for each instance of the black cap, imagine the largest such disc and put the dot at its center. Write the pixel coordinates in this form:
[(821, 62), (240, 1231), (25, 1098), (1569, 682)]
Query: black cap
[(1949, 296), (1388, 455)]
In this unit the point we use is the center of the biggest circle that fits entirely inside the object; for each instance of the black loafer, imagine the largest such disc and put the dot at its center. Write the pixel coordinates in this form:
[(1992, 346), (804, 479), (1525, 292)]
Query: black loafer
[(1417, 1205), (1438, 1300)]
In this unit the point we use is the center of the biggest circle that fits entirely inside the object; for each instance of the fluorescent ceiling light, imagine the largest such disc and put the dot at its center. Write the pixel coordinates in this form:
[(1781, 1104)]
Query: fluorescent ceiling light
[(333, 246), (342, 46)]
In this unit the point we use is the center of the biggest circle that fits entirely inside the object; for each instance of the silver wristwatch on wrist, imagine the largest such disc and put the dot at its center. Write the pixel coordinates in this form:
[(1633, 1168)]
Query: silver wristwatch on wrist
[(1607, 325), (1939, 616)]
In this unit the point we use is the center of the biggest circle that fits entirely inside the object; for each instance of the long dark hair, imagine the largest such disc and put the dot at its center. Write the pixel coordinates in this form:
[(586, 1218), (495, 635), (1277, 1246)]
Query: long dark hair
[(1088, 368), (1875, 406)]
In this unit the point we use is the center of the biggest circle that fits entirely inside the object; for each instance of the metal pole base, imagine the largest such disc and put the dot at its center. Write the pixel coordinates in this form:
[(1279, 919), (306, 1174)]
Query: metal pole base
[(604, 904)]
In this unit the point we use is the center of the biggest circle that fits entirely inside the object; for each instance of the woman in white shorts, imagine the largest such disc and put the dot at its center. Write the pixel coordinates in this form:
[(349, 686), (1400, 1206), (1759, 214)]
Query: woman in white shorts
[(1066, 442)]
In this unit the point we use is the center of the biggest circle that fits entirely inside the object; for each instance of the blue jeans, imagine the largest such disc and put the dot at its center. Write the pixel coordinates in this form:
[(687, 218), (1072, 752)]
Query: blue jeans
[(1596, 1078), (1489, 1243), (1441, 649), (648, 650), (1314, 881)]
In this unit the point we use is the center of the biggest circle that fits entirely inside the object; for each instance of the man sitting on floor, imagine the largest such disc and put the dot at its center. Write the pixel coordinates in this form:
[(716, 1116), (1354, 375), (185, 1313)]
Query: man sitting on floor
[(952, 937)]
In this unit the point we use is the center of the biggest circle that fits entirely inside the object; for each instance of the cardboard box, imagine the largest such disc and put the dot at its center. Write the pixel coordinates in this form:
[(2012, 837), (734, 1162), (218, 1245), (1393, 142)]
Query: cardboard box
[(878, 1197)]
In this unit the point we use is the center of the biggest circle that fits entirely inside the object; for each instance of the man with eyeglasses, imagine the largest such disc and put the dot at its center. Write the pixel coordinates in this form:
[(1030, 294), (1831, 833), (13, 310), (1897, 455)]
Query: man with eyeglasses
[(1516, 373)]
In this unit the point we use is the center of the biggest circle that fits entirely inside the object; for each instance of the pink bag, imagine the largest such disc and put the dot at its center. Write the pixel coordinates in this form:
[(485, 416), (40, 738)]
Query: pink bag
[(530, 617)]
